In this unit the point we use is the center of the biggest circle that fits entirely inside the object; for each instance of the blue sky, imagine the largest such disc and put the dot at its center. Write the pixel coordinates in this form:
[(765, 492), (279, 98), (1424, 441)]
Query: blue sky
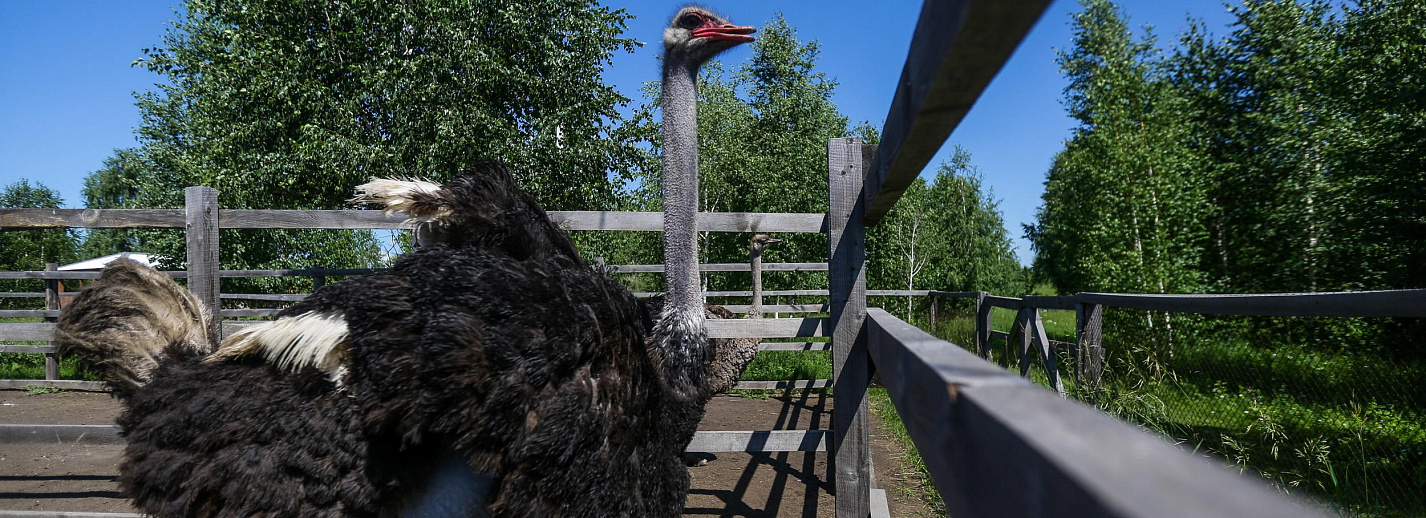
[(66, 90)]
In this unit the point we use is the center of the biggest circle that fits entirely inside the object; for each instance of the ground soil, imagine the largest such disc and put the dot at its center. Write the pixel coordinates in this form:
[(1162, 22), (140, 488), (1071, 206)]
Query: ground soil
[(67, 477)]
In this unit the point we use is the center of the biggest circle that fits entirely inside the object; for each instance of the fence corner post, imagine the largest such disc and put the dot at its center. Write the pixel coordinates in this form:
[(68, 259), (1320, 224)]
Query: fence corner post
[(850, 454), (201, 225), (51, 304)]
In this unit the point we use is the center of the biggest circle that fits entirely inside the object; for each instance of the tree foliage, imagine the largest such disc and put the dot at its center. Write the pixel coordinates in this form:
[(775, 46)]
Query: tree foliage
[(30, 250)]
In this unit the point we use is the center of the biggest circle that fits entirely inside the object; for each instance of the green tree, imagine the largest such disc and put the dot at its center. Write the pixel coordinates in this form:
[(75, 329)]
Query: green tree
[(31, 249), (289, 105), (1123, 204)]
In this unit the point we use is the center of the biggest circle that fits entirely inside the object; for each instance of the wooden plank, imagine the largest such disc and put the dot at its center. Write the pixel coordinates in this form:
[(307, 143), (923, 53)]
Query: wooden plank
[(51, 304), (23, 295), (239, 313), (1003, 302), (60, 433), (91, 218), (26, 332), (65, 514), (847, 160), (1043, 302), (724, 267), (1022, 330), (767, 327), (282, 297), (96, 386), (376, 219), (958, 47), (955, 294), (201, 228), (28, 313), (997, 445), (1393, 303), (29, 349), (795, 346), (879, 506), (759, 441), (779, 308), (784, 384)]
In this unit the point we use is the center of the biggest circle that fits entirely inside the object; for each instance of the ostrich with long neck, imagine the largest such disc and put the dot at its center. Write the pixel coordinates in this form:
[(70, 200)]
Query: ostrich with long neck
[(694, 37), (759, 243)]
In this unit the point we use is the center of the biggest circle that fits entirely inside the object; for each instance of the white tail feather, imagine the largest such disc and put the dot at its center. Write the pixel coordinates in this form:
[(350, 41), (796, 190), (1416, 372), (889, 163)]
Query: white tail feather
[(395, 196), (291, 343)]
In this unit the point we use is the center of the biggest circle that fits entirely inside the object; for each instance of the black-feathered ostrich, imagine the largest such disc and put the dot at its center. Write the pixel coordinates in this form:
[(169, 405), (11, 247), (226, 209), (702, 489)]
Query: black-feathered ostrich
[(491, 373)]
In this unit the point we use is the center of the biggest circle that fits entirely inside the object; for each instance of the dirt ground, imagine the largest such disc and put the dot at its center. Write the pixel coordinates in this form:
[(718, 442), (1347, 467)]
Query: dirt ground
[(67, 477)]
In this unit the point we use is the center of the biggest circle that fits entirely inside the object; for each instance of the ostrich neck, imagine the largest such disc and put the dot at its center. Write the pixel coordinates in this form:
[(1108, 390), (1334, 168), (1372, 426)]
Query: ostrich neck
[(757, 310), (680, 184)]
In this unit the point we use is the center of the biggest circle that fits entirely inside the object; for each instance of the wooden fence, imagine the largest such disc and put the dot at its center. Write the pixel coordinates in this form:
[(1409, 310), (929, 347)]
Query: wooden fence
[(995, 444)]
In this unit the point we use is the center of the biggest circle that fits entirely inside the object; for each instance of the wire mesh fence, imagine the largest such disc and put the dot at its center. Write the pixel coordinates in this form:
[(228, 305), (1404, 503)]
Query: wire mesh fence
[(1329, 408)]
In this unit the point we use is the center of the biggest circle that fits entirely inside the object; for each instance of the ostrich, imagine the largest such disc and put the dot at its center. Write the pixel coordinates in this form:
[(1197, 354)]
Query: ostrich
[(492, 372)]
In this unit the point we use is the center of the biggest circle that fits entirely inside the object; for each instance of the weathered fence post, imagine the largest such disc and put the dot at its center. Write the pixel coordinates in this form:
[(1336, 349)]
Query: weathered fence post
[(51, 303), (1089, 329), (1023, 325), (318, 281), (201, 224), (983, 322), (850, 456)]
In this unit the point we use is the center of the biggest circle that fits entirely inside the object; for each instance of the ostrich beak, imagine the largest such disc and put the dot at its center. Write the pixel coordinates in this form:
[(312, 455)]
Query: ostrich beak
[(773, 241), (727, 32)]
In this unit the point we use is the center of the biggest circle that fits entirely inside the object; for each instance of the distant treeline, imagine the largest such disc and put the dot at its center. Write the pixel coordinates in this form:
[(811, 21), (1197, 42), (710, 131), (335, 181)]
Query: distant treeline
[(1287, 155)]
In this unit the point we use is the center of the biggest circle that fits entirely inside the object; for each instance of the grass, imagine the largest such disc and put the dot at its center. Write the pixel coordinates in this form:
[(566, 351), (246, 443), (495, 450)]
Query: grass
[(32, 365), (1322, 410)]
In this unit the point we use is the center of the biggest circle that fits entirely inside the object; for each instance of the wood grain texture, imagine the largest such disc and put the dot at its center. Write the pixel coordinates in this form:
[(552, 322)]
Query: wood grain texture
[(29, 349), (997, 445), (958, 47), (201, 229), (26, 332), (60, 433), (91, 218), (795, 346), (783, 384), (59, 384), (761, 441), (851, 473), (767, 327)]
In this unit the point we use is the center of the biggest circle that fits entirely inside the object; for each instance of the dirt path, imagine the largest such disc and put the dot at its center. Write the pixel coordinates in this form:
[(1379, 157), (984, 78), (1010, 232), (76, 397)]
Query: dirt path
[(63, 477)]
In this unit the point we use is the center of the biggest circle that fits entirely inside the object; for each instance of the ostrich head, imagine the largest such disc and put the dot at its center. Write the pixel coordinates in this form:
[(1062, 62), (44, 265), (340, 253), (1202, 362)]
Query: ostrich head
[(761, 242), (696, 35)]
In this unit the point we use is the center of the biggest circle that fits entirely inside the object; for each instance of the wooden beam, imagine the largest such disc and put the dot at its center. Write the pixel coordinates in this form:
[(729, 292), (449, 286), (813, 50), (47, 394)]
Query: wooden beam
[(201, 228), (724, 267), (784, 384), (26, 332), (795, 346), (1394, 303), (851, 473), (59, 384), (997, 445), (779, 308), (65, 514), (60, 433), (375, 219), (51, 304), (28, 349), (767, 327), (759, 441), (958, 47), (91, 218)]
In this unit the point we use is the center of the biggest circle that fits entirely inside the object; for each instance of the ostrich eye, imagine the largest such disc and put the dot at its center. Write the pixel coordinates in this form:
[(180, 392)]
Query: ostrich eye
[(690, 21)]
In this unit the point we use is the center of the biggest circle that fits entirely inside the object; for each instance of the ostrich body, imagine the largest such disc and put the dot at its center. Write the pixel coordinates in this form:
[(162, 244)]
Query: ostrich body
[(491, 373)]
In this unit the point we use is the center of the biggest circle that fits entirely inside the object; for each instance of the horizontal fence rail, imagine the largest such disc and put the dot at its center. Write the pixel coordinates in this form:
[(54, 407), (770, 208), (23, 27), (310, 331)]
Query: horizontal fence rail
[(1362, 304), (998, 445), (703, 441), (377, 220)]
